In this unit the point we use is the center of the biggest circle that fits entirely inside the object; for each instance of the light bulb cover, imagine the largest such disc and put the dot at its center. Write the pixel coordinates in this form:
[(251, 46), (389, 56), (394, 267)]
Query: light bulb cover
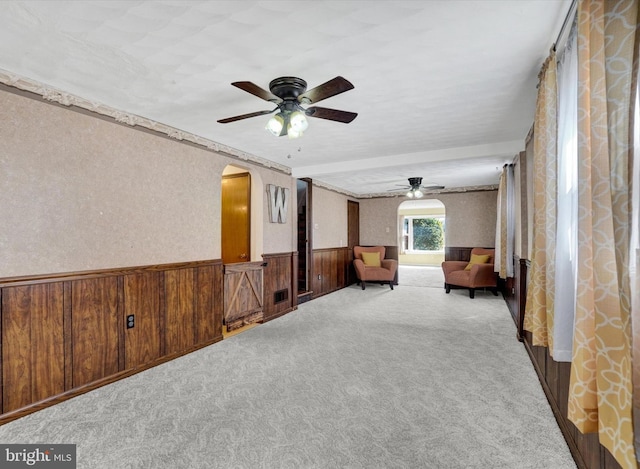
[(275, 124), (298, 121), (418, 193), (410, 194)]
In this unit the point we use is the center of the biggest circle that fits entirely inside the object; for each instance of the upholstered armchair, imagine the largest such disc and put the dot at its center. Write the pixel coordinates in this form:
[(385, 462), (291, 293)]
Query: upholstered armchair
[(371, 266), (477, 273)]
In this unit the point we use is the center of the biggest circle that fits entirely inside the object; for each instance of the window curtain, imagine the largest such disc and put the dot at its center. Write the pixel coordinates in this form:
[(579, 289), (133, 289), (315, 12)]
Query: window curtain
[(505, 224), (567, 200), (538, 317), (600, 388), (634, 260)]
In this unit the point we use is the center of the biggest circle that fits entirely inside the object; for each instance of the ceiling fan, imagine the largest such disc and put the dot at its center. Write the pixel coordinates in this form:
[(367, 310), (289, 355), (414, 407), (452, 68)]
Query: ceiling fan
[(289, 94), (416, 188)]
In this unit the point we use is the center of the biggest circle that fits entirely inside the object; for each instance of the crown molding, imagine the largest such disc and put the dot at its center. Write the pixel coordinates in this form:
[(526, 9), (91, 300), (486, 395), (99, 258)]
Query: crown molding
[(69, 100)]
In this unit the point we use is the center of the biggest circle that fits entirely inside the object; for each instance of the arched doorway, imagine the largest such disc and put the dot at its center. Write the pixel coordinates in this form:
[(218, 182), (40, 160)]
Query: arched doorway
[(422, 225)]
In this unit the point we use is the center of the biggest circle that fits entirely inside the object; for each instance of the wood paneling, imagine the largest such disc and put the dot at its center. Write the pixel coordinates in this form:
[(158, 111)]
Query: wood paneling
[(65, 334), (330, 268), (32, 343), (180, 306), (209, 305), (278, 277), (143, 298), (94, 329)]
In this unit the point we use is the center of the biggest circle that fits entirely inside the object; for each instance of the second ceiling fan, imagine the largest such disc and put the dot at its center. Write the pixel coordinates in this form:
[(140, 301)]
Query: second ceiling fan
[(289, 94)]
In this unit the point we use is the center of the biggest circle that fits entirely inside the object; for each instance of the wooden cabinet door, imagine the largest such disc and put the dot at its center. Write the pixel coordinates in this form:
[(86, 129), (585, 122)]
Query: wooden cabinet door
[(32, 344)]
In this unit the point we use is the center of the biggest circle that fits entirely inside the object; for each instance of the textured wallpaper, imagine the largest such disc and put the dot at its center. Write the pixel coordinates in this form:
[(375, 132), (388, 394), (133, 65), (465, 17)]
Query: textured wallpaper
[(79, 192), (329, 219), (470, 219)]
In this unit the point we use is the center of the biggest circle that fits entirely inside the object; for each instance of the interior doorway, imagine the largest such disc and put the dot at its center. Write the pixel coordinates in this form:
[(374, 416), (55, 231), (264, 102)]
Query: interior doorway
[(304, 238), (422, 232)]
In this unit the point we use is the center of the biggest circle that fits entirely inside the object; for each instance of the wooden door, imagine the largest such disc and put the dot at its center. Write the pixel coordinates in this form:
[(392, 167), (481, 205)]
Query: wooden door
[(236, 218)]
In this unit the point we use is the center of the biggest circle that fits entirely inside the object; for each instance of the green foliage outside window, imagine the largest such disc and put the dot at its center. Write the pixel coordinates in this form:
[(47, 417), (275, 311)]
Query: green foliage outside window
[(428, 234)]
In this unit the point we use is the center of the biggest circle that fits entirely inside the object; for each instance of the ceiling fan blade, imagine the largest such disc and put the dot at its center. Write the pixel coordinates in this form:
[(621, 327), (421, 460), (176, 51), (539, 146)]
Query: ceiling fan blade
[(244, 116), (256, 91), (432, 187), (331, 114), (326, 90)]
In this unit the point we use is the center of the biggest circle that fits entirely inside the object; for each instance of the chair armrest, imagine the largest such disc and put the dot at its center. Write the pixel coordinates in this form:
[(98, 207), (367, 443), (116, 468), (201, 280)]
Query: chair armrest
[(359, 266), (389, 264), (483, 275), (452, 266)]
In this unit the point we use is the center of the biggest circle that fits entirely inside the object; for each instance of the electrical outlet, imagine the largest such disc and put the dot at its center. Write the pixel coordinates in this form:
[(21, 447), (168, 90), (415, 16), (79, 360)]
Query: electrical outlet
[(130, 321)]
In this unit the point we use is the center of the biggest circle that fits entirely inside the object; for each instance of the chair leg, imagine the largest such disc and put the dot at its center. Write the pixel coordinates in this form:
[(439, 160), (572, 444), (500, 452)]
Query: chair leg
[(362, 284), (447, 287), (472, 293), (494, 291), (391, 284)]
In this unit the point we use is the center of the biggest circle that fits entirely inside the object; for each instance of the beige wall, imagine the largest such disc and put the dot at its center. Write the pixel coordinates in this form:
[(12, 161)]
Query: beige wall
[(470, 219), (330, 217), (79, 192)]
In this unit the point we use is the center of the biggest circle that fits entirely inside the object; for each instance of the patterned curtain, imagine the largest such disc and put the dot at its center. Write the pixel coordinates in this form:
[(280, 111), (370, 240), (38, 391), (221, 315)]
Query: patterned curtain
[(600, 393), (538, 317)]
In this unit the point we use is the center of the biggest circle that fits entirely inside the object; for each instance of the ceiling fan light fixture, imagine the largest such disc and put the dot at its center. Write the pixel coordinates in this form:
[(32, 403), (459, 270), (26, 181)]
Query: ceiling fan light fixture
[(418, 194), (410, 194), (275, 124)]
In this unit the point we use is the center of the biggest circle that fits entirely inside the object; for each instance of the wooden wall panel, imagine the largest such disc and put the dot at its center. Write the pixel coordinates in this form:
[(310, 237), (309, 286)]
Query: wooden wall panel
[(32, 344), (143, 298), (209, 304), (65, 334), (278, 277), (180, 310), (330, 268), (94, 329)]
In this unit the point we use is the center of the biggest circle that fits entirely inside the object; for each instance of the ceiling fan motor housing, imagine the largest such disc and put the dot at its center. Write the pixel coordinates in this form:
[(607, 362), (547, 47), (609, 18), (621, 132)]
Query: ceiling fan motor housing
[(288, 88)]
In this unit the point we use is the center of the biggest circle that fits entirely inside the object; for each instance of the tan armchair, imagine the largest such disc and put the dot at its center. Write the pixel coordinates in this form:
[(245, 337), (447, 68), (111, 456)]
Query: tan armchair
[(479, 275), (371, 266)]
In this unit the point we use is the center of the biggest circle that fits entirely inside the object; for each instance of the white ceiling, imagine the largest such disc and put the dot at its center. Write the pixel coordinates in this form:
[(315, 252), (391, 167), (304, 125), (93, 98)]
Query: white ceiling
[(444, 90)]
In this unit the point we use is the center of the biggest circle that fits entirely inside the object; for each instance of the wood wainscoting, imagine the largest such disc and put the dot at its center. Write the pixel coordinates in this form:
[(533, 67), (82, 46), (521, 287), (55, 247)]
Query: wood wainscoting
[(280, 284), (66, 334), (330, 268), (554, 378)]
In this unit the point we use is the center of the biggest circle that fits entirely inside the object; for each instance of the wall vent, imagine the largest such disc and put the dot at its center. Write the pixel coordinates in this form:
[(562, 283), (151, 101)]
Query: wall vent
[(280, 296)]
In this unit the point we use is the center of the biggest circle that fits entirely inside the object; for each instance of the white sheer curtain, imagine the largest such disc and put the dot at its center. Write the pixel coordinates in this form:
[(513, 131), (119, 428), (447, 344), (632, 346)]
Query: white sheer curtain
[(567, 219), (505, 223)]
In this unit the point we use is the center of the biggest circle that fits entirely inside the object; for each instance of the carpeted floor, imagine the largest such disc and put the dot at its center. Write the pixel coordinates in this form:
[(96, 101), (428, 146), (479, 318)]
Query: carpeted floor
[(409, 378)]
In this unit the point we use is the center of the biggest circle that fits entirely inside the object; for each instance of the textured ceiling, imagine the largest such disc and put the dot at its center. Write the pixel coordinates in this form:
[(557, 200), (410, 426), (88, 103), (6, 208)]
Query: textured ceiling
[(444, 90)]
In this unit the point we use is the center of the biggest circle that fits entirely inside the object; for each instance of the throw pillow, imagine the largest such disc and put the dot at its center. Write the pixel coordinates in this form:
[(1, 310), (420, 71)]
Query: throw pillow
[(371, 259), (477, 259)]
